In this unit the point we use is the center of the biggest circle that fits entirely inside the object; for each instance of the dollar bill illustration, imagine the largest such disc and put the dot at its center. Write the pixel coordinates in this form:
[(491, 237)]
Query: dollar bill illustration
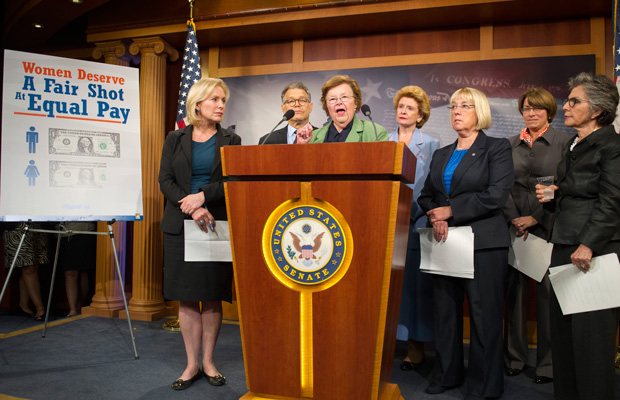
[(67, 174), (84, 143)]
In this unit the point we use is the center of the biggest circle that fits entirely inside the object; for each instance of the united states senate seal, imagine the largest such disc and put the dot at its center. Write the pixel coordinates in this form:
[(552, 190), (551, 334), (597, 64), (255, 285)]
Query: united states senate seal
[(307, 244)]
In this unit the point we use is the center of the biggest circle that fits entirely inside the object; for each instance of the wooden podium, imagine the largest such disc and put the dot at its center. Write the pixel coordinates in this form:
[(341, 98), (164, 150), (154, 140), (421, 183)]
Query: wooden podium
[(319, 237)]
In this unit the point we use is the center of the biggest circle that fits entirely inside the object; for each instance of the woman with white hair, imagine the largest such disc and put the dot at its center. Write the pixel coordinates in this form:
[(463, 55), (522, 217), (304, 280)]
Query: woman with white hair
[(586, 225), (468, 185)]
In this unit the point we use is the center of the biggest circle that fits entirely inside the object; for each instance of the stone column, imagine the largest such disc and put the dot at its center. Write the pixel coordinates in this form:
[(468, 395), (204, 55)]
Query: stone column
[(147, 302), (108, 299)]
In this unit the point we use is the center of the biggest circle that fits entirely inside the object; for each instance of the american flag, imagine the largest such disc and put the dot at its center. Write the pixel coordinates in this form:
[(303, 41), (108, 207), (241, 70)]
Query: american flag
[(190, 73), (616, 54)]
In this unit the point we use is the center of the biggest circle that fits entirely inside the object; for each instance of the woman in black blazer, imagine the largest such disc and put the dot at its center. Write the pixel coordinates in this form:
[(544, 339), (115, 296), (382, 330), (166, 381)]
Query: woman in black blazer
[(536, 152), (468, 185), (190, 177), (586, 225)]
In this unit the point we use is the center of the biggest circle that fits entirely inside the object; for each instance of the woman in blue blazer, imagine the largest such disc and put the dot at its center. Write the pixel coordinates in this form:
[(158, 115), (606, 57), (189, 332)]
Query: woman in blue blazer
[(190, 177), (468, 185), (415, 321)]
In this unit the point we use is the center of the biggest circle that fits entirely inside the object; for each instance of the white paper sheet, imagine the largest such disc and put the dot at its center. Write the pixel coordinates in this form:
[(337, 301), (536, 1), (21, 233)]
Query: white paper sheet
[(532, 257), (594, 290), (207, 246), (454, 257)]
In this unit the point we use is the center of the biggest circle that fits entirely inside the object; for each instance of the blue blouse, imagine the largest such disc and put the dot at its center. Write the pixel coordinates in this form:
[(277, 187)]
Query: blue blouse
[(203, 155), (454, 161)]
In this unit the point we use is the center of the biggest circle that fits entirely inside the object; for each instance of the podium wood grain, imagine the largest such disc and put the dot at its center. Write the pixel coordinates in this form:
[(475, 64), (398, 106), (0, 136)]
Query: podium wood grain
[(354, 321)]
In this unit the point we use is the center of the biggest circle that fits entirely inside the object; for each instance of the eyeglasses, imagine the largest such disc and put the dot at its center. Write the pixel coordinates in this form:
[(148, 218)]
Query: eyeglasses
[(344, 99), (465, 107), (535, 110), (291, 102), (573, 101)]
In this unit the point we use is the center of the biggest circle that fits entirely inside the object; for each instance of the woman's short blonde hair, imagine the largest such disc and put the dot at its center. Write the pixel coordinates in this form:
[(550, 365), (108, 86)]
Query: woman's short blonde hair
[(420, 97), (199, 92), (337, 81), (481, 103)]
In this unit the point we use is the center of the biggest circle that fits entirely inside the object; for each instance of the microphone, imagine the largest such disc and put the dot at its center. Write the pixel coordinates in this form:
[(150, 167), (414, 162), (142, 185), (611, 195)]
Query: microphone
[(366, 111), (287, 115)]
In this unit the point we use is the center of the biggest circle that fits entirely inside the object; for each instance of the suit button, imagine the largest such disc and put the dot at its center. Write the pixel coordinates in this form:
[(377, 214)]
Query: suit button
[(573, 158), (528, 172), (531, 154)]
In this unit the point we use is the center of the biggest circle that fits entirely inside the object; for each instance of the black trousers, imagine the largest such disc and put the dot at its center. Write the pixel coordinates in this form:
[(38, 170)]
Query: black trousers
[(515, 323), (583, 345), (485, 298)]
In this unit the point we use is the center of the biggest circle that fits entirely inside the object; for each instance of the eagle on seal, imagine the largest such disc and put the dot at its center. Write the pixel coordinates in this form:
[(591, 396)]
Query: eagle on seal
[(307, 251)]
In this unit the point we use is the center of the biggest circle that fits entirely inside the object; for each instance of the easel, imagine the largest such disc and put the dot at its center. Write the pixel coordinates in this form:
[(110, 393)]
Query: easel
[(67, 232)]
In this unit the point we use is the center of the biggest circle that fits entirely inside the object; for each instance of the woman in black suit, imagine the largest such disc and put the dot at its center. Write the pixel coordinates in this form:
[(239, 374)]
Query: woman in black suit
[(586, 225), (468, 185), (536, 152), (190, 177)]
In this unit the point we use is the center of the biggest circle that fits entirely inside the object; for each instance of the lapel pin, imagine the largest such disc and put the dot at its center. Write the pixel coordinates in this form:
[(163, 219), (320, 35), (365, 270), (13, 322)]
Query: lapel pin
[(473, 154)]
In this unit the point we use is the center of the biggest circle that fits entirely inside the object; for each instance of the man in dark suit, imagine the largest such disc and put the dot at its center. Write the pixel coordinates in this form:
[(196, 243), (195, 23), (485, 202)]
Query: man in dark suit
[(295, 96)]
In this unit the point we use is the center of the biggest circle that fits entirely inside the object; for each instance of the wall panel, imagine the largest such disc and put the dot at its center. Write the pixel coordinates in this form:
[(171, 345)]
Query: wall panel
[(485, 42), (392, 44), (258, 54), (542, 34)]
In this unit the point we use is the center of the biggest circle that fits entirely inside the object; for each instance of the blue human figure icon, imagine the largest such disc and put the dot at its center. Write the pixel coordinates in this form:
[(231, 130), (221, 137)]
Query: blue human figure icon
[(31, 172), (32, 138)]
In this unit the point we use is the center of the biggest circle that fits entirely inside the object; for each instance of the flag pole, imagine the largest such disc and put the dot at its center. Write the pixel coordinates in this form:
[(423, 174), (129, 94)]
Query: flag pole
[(173, 324)]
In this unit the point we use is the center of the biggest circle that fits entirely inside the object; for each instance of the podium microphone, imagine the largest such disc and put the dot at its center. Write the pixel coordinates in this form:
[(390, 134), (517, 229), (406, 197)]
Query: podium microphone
[(366, 111), (287, 115)]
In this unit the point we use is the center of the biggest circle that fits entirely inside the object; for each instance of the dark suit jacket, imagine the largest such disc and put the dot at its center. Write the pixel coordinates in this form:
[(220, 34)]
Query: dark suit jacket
[(479, 190), (175, 174), (588, 199), (277, 137), (541, 159)]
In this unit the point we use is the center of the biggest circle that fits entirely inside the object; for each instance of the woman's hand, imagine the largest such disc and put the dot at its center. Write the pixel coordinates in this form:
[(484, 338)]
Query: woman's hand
[(304, 134), (440, 231), (524, 233), (203, 219), (582, 257), (522, 224), (192, 202), (540, 194), (439, 214)]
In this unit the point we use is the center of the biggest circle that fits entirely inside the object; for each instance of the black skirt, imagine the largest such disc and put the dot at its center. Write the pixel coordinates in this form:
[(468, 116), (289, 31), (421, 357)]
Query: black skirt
[(78, 253), (194, 281)]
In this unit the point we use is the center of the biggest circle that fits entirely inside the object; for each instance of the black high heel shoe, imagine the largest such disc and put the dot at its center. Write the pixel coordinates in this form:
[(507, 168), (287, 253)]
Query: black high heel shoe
[(180, 384), (217, 380)]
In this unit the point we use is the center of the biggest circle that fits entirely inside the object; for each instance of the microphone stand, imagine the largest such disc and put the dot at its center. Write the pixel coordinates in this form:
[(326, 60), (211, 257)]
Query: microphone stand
[(366, 111), (288, 115)]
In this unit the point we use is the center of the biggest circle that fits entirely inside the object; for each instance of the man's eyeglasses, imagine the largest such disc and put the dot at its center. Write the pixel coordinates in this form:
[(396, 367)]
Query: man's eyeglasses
[(291, 102)]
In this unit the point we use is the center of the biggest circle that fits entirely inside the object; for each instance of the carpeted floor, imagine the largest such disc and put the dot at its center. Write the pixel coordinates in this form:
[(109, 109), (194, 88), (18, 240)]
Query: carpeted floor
[(92, 358)]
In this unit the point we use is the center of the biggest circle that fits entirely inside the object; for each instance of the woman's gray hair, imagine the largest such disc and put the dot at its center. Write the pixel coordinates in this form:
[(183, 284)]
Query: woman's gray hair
[(602, 94)]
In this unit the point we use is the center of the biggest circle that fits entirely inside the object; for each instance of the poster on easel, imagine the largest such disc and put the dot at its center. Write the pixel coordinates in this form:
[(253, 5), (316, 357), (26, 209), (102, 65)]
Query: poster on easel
[(70, 140)]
